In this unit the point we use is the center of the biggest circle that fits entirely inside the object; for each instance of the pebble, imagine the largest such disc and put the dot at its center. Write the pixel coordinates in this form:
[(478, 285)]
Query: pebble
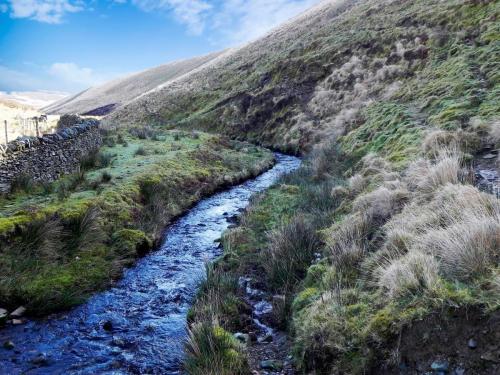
[(271, 364), (472, 344), (489, 156), (16, 322), (118, 342), (19, 312), (253, 336), (440, 366)]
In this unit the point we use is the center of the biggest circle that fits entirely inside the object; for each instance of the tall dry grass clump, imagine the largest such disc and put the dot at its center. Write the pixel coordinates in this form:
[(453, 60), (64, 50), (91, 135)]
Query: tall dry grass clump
[(425, 176), (347, 242), (381, 204), (411, 273), (455, 235)]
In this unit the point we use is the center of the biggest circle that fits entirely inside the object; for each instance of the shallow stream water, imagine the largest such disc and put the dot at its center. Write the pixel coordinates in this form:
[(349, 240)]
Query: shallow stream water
[(138, 326)]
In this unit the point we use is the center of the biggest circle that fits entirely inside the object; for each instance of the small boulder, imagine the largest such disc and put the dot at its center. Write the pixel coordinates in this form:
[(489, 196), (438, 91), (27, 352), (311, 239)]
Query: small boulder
[(266, 339), (18, 313), (108, 325), (9, 345), (271, 365), (17, 322), (253, 336), (40, 360), (242, 337), (440, 366)]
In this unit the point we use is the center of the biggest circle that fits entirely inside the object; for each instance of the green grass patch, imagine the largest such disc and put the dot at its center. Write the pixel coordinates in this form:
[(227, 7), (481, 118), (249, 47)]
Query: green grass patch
[(57, 249)]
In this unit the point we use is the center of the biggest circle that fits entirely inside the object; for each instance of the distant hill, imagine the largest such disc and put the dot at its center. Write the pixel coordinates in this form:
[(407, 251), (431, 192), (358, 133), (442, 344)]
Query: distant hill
[(32, 99), (103, 99)]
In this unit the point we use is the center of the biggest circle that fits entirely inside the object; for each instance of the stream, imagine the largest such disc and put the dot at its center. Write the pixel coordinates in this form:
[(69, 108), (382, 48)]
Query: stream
[(138, 326)]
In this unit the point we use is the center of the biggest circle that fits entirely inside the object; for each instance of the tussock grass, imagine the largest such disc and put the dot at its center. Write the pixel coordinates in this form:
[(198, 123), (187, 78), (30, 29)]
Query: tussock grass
[(407, 243), (290, 252), (141, 151), (494, 131), (425, 176), (381, 204), (23, 182), (347, 242), (96, 159), (216, 299), (43, 238), (210, 350), (411, 274), (85, 231)]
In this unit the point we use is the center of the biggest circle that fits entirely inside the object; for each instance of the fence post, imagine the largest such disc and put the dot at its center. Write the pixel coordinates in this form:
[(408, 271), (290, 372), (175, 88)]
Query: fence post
[(36, 124), (6, 135)]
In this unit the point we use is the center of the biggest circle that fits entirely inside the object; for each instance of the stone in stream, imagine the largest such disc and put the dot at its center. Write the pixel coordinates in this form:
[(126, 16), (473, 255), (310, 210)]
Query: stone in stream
[(9, 345), (266, 339), (489, 156), (17, 322), (19, 312), (40, 360), (233, 219), (108, 325), (271, 365)]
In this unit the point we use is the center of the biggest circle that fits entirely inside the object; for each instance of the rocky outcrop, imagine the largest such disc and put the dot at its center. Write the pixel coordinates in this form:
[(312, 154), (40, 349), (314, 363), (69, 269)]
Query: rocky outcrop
[(46, 158)]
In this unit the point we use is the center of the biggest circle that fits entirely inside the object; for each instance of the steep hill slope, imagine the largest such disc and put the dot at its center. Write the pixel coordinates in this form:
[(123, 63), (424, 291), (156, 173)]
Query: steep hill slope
[(101, 100), (380, 255), (319, 74)]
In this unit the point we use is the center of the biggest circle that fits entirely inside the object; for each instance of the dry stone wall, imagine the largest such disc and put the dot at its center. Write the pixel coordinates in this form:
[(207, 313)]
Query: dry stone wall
[(46, 158)]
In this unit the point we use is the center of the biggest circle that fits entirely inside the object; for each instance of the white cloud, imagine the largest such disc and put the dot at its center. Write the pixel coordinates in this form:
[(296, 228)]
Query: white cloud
[(13, 78), (228, 21), (59, 76), (244, 20), (71, 73), (48, 11), (192, 13)]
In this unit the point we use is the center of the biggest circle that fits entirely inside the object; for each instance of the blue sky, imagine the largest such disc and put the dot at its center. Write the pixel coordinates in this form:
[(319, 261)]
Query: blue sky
[(69, 45)]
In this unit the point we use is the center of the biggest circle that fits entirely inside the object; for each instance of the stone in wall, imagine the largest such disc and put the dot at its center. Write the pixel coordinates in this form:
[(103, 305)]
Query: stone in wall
[(47, 158)]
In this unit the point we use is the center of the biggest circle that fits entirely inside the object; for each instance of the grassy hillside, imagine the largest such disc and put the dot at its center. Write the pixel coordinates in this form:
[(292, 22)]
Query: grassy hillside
[(325, 73), (62, 241), (380, 255)]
